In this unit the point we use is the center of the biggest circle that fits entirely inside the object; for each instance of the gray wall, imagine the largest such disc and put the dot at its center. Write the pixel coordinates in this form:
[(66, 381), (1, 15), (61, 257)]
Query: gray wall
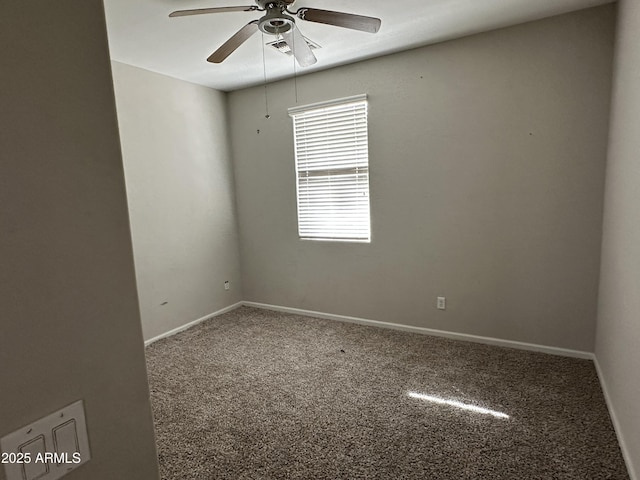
[(618, 334), (69, 326), (487, 163), (181, 201)]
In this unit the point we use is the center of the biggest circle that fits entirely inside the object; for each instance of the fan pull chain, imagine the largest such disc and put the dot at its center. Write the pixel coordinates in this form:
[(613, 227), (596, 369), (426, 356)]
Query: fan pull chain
[(264, 67), (295, 74)]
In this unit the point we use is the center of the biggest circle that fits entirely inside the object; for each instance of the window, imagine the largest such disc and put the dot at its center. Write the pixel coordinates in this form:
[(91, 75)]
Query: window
[(332, 167)]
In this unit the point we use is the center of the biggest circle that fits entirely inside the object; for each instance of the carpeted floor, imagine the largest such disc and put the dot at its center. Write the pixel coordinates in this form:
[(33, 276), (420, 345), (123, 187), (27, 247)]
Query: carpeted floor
[(256, 394)]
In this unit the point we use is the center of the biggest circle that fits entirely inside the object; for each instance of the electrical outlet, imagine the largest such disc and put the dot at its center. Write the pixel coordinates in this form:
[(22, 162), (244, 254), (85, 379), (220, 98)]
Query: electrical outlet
[(442, 303), (227, 285)]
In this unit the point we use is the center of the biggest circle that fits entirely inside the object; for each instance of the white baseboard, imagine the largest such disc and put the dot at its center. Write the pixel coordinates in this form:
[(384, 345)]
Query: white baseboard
[(193, 323), (616, 424), (395, 326), (429, 331)]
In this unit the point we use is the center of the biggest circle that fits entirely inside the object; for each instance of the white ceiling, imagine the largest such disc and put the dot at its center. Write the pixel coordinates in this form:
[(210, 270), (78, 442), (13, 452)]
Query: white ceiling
[(142, 34)]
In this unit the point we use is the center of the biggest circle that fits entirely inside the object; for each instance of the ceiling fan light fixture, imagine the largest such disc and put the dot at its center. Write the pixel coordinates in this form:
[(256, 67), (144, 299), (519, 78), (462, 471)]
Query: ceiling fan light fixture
[(275, 22), (275, 27)]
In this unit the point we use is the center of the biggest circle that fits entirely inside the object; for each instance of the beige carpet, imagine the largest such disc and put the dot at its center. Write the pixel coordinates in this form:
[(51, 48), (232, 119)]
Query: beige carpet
[(255, 394)]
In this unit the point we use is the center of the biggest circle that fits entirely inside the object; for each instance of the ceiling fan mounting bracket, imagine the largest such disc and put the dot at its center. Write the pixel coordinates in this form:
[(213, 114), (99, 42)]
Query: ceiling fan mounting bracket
[(282, 4)]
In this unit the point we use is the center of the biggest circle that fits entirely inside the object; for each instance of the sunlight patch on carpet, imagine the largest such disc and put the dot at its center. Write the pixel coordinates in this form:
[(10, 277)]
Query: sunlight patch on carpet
[(455, 403)]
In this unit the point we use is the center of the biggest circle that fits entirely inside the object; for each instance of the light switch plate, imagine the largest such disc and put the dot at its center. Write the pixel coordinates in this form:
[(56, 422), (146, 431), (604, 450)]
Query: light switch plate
[(49, 448)]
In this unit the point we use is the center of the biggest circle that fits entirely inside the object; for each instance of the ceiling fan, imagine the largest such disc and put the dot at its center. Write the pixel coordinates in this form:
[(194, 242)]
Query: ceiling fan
[(279, 20)]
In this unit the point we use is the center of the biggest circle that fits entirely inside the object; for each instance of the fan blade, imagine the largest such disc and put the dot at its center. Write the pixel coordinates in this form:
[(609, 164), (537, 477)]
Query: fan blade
[(200, 11), (234, 42), (346, 20), (299, 47)]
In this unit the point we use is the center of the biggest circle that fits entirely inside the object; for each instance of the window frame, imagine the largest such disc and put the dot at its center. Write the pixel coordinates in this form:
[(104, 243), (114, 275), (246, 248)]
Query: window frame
[(340, 170)]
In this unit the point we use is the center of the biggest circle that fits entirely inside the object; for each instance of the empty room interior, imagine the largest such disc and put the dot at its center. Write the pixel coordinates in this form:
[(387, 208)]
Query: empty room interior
[(377, 240)]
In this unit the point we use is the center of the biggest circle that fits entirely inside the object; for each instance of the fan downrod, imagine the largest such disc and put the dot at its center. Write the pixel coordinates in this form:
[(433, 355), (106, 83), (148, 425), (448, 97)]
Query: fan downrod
[(283, 3)]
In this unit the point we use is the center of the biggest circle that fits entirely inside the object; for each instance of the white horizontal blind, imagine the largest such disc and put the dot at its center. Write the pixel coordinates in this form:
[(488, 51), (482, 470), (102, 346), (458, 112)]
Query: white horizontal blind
[(332, 165)]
